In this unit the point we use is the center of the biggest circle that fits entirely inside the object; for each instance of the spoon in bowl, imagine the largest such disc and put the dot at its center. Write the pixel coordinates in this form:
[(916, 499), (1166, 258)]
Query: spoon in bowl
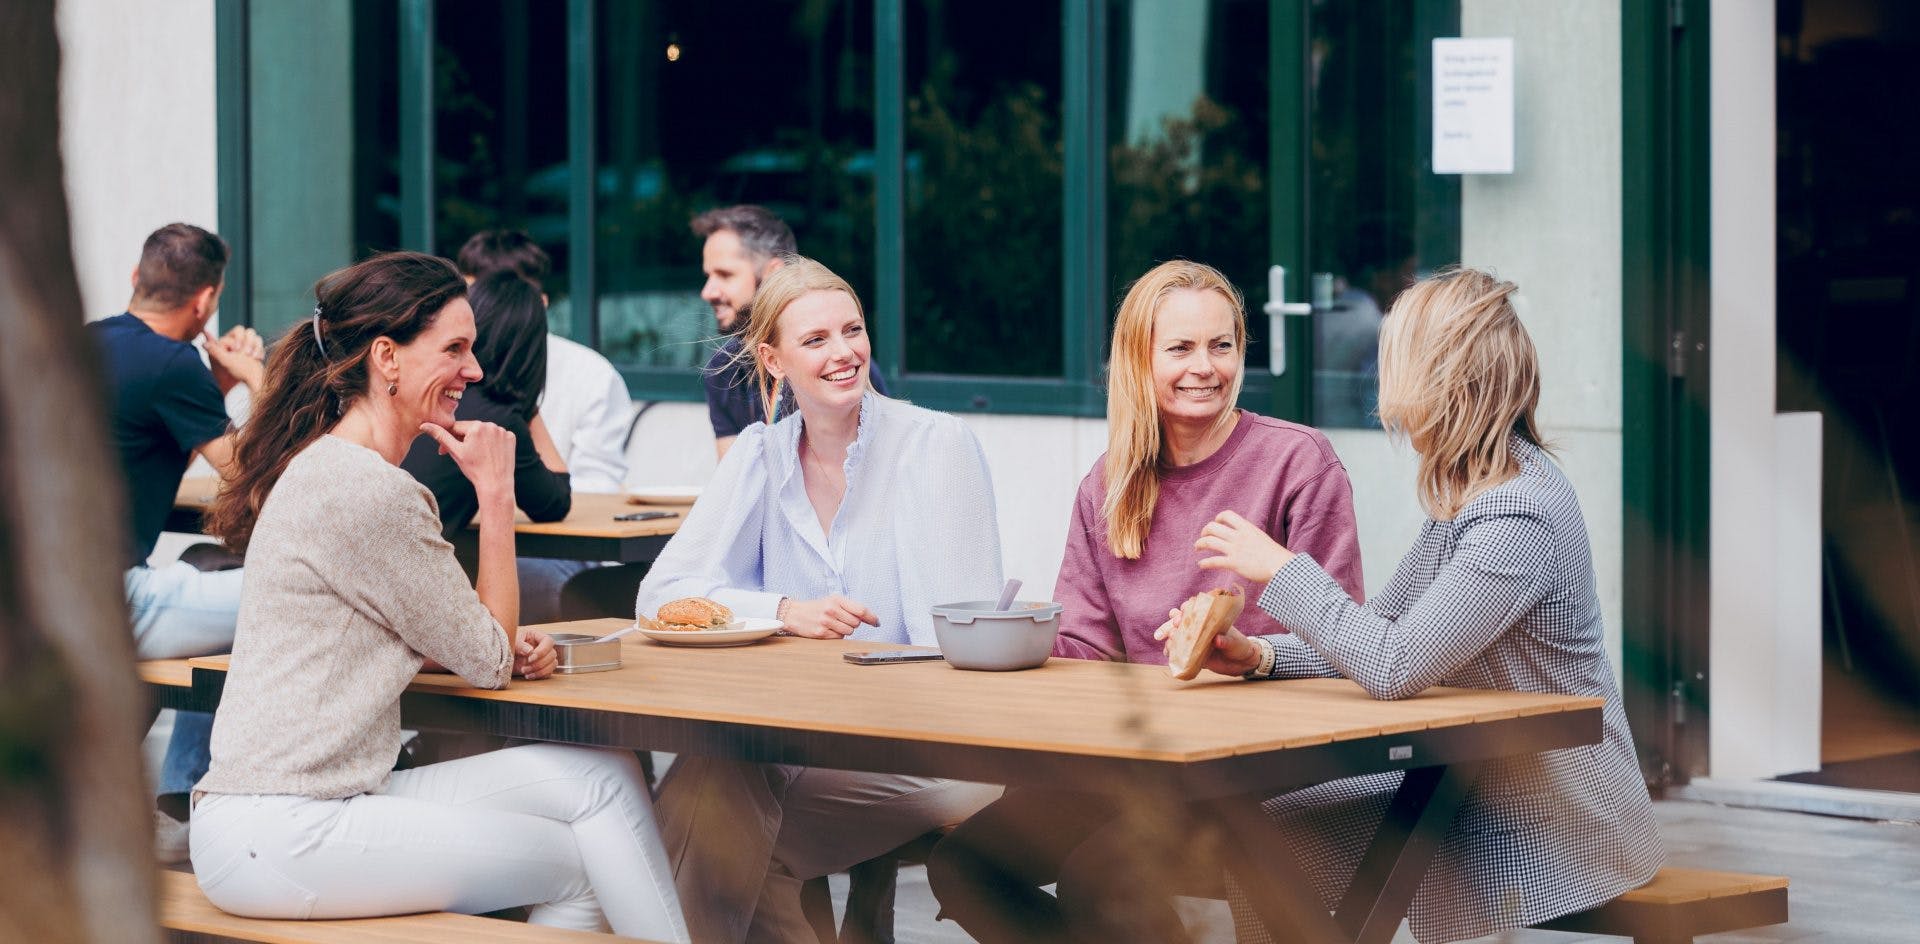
[(1007, 595)]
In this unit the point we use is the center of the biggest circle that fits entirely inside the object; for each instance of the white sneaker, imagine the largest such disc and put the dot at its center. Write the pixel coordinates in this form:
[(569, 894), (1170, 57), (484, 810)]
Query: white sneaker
[(169, 839)]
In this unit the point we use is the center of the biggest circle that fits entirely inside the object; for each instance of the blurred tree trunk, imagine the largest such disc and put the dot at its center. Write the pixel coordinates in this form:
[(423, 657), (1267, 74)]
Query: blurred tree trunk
[(75, 831)]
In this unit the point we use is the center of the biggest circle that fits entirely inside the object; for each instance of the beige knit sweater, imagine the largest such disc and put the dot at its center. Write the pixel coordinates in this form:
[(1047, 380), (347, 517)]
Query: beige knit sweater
[(348, 585)]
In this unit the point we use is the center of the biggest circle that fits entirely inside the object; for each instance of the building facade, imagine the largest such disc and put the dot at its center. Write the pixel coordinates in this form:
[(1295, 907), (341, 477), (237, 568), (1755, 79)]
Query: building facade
[(990, 176)]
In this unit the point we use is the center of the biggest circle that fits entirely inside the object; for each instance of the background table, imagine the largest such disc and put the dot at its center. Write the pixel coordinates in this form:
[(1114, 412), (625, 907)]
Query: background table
[(588, 533), (1223, 744)]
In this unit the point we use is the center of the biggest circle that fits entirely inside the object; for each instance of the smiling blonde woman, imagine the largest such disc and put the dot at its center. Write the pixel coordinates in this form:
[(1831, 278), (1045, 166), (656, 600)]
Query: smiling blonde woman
[(1178, 453), (850, 518)]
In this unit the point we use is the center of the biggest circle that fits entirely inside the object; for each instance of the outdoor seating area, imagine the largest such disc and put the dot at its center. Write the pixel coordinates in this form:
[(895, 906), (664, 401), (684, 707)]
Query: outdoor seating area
[(917, 472), (1677, 905)]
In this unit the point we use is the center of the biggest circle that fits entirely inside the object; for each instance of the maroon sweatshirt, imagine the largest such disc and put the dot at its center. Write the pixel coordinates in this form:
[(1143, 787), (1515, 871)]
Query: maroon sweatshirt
[(1281, 476)]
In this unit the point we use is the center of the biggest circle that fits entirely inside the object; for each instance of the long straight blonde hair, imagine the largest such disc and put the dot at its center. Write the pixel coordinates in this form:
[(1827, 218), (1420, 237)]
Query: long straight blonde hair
[(1133, 414), (796, 277), (1458, 375)]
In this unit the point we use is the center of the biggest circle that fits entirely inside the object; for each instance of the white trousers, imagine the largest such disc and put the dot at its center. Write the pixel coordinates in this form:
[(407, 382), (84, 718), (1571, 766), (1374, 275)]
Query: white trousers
[(568, 830)]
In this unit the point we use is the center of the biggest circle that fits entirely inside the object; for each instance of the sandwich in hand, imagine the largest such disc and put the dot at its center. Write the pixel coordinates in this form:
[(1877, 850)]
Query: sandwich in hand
[(1204, 616), (692, 615)]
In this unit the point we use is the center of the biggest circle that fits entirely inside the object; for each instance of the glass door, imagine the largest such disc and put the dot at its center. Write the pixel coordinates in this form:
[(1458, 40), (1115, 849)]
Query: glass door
[(1286, 143)]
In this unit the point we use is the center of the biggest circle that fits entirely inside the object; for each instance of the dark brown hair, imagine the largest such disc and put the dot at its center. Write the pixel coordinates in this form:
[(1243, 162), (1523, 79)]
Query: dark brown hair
[(178, 260), (512, 345), (492, 250), (319, 368)]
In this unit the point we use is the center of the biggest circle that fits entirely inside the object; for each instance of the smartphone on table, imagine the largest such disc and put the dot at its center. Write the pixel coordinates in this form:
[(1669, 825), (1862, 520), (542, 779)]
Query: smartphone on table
[(646, 515), (891, 656)]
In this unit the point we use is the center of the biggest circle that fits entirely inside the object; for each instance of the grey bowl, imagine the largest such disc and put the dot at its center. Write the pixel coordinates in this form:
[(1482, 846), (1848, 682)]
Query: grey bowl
[(974, 635)]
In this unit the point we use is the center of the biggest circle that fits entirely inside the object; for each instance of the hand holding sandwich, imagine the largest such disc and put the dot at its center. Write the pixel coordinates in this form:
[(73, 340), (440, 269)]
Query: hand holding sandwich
[(1231, 653), (1241, 547)]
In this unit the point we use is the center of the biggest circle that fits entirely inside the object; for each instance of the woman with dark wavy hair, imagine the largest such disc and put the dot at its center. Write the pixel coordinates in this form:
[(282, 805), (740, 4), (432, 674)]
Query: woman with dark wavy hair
[(350, 590), (512, 350)]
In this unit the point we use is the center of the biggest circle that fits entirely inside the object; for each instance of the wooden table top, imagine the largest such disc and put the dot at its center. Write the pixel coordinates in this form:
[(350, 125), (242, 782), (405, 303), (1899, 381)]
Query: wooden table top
[(591, 517), (1068, 706)]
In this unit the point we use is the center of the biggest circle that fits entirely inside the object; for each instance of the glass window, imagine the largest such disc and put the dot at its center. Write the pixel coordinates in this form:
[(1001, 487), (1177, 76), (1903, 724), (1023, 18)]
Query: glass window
[(983, 188), (500, 127), (321, 178), (1188, 154), (1379, 215), (704, 105)]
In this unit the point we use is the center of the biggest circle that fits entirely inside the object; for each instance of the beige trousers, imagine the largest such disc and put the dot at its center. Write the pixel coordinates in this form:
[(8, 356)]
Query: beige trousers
[(742, 837)]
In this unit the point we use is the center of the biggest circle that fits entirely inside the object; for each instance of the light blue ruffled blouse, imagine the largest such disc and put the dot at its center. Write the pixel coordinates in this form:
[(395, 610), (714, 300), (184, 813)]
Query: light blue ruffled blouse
[(915, 529)]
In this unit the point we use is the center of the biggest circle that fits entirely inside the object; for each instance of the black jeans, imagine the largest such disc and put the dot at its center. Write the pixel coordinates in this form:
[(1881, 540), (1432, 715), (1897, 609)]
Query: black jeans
[(988, 873)]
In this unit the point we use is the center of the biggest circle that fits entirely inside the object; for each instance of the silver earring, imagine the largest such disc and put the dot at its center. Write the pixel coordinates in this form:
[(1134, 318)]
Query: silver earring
[(393, 389)]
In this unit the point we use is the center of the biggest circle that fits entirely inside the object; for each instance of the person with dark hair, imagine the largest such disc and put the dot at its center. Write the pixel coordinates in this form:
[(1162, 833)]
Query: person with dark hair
[(351, 590), (166, 406), (512, 350), (492, 250), (743, 245), (584, 401)]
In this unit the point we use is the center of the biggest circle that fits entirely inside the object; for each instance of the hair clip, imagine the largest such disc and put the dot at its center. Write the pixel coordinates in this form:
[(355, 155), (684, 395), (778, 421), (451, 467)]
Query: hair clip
[(316, 333)]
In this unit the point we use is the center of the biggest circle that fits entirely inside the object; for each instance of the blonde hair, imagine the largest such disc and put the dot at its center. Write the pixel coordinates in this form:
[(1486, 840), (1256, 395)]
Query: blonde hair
[(1133, 415), (796, 278), (1458, 374)]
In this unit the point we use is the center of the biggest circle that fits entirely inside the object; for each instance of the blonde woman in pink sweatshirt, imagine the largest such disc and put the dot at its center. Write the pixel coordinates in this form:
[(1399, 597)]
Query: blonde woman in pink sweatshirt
[(1179, 452)]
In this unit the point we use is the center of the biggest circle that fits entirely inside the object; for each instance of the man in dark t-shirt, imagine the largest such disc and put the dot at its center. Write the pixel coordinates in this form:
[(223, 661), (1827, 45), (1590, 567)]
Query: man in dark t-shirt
[(744, 244), (166, 406)]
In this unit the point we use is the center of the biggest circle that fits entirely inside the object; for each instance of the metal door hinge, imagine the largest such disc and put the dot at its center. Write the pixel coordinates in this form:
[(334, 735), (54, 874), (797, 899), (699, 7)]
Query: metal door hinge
[(1677, 15), (1677, 355), (1679, 703)]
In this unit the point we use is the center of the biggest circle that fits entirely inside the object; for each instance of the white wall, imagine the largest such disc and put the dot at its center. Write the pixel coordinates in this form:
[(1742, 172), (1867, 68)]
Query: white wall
[(1741, 229), (1554, 227), (137, 132)]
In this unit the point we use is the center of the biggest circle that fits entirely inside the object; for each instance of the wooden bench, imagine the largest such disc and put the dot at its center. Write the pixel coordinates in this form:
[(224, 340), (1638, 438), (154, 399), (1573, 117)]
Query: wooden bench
[(1681, 903), (188, 917)]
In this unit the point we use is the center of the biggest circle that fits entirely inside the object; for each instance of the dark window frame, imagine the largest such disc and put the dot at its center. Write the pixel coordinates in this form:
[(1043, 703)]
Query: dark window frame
[(1086, 308)]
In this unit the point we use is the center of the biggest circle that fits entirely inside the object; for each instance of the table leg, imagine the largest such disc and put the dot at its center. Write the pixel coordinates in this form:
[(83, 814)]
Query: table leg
[(1385, 880), (1270, 875), (1394, 863)]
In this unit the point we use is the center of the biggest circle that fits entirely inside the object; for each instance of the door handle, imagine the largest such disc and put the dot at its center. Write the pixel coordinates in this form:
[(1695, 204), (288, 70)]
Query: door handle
[(1278, 309)]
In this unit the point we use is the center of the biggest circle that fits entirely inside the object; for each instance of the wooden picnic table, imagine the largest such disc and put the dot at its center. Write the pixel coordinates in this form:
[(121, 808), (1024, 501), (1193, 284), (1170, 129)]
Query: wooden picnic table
[(1104, 727), (588, 533)]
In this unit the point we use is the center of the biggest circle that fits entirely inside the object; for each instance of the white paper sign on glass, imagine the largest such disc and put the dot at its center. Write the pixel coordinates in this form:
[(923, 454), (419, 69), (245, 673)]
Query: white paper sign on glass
[(1473, 106)]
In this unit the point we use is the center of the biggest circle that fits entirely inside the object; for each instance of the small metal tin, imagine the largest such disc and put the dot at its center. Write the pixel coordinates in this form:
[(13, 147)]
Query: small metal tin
[(579, 653)]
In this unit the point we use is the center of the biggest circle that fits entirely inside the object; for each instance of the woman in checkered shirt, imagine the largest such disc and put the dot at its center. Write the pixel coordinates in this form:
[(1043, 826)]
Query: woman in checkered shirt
[(1496, 593)]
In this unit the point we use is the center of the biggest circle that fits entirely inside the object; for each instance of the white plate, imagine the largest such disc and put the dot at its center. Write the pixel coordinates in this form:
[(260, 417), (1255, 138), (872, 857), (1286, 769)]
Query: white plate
[(665, 495), (750, 630)]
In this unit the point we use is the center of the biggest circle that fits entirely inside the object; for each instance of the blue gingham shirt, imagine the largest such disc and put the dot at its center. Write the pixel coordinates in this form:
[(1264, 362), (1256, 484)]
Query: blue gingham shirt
[(915, 529)]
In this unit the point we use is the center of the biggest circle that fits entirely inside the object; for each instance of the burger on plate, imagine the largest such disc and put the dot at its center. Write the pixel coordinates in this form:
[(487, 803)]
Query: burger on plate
[(692, 615)]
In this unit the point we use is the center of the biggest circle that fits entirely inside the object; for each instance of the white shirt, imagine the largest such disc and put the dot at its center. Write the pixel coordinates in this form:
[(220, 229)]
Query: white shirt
[(915, 529), (587, 411)]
